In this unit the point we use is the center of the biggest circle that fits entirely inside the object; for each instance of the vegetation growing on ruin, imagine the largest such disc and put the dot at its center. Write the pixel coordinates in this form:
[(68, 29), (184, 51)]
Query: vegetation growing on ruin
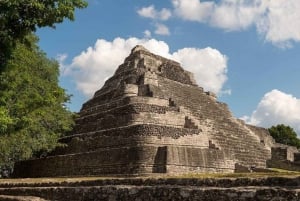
[(242, 175), (276, 173), (285, 135), (33, 114), (22, 17), (32, 105)]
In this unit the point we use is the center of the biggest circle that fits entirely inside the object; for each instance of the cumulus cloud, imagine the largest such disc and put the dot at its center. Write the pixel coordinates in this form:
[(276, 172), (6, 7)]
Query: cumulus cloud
[(162, 29), (278, 20), (236, 15), (276, 107), (193, 10), (147, 34), (94, 65), (208, 65), (281, 24), (227, 14), (157, 16), (151, 12), (61, 59)]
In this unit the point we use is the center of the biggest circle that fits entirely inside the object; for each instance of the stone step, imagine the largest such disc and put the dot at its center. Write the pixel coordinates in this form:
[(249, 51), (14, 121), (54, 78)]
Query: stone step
[(20, 198)]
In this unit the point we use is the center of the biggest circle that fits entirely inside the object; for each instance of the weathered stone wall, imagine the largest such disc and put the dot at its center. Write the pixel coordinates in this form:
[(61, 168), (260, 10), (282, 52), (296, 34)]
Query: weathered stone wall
[(20, 198), (203, 106), (284, 164), (226, 132), (130, 114), (121, 160), (243, 189), (297, 157), (284, 157), (135, 67), (192, 159), (132, 136), (116, 193), (282, 153), (128, 160), (264, 136), (152, 117)]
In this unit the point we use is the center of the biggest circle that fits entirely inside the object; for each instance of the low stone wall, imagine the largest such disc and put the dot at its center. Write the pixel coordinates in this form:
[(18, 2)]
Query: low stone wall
[(244, 189), (127, 161), (283, 164), (119, 193), (225, 132), (143, 130), (123, 160), (131, 114), (19, 198), (176, 73)]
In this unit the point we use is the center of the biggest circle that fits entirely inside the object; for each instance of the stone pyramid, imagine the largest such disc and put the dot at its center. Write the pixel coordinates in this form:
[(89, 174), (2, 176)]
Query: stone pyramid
[(152, 117)]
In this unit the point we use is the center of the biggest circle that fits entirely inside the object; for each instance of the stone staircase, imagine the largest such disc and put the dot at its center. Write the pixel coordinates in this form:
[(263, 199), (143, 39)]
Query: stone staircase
[(156, 188)]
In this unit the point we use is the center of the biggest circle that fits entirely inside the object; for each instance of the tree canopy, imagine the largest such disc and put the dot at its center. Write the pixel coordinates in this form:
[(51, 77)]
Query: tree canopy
[(285, 135), (33, 114), (18, 18)]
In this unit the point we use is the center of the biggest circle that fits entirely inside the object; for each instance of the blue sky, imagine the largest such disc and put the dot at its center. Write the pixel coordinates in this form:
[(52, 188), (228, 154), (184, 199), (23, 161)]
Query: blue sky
[(246, 51)]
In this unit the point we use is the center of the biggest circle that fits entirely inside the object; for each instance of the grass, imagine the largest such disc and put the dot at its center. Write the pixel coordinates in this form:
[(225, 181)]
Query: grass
[(238, 175), (51, 180), (275, 173)]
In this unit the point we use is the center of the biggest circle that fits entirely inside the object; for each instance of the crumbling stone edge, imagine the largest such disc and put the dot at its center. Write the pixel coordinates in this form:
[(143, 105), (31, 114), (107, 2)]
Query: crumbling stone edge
[(279, 188)]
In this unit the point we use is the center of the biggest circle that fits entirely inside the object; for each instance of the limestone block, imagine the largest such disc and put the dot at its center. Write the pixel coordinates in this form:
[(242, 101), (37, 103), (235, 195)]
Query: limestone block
[(150, 101), (283, 152), (150, 78), (197, 158), (131, 90), (151, 64), (192, 78), (211, 94)]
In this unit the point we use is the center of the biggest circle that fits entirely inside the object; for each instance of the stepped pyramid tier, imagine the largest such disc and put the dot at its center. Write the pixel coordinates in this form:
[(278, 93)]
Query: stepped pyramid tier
[(152, 117)]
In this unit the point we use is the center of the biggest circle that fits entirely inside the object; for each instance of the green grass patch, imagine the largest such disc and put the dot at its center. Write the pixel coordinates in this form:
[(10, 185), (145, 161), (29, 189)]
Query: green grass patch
[(275, 173)]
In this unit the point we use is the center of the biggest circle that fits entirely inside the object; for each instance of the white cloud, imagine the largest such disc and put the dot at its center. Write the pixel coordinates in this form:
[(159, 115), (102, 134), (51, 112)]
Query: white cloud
[(281, 24), (148, 12), (277, 20), (94, 65), (236, 15), (61, 59), (276, 107), (165, 14), (193, 10), (208, 65), (162, 29), (227, 14), (151, 12), (162, 15), (147, 34)]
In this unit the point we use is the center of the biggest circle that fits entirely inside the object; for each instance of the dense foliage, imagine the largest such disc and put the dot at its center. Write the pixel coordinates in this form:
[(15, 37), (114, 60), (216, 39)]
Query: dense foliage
[(32, 105), (285, 135), (18, 18)]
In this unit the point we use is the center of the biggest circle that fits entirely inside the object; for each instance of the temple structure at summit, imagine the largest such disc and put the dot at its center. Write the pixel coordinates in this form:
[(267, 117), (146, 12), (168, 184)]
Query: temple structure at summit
[(152, 117)]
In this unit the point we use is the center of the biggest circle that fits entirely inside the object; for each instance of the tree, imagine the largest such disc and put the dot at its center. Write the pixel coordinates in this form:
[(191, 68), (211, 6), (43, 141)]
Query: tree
[(33, 114), (285, 135), (18, 18)]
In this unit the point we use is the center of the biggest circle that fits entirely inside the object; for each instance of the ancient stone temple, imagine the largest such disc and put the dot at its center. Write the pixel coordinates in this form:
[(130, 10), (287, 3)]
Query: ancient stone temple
[(152, 117)]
